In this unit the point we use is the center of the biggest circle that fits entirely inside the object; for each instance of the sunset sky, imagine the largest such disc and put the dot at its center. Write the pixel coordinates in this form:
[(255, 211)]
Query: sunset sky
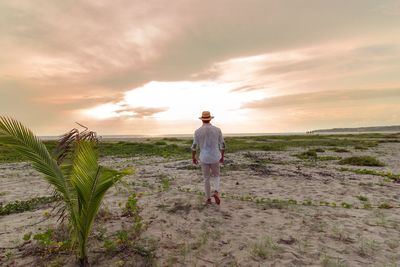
[(151, 67)]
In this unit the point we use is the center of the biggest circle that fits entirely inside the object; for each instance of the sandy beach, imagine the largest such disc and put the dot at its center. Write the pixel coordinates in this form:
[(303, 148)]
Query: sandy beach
[(277, 210)]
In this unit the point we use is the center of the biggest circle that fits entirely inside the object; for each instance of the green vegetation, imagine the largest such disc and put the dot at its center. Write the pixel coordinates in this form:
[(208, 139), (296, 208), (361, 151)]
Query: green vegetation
[(132, 209), (27, 236), (75, 174), (128, 239), (265, 249), (276, 203), (19, 206), (44, 238), (49, 241), (109, 245), (9, 256), (391, 176), (173, 147), (346, 205), (120, 149), (309, 154), (174, 139), (325, 158), (367, 206), (235, 144), (362, 198), (368, 247), (132, 149), (165, 183), (131, 206), (160, 143), (7, 154), (362, 161), (385, 206)]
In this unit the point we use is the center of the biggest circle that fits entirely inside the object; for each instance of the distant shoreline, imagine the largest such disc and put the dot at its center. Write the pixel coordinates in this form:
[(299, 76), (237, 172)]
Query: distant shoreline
[(124, 137), (185, 136), (370, 129)]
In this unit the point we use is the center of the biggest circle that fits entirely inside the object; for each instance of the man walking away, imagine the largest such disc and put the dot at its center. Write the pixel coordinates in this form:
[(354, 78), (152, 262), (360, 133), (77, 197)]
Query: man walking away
[(211, 142)]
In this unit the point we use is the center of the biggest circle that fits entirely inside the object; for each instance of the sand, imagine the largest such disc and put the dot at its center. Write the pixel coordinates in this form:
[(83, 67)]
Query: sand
[(239, 232)]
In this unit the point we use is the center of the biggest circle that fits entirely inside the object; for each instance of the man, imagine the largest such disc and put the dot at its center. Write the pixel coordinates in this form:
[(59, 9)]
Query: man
[(209, 139)]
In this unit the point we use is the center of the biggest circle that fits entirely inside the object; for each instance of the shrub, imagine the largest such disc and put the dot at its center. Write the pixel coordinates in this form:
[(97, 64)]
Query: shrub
[(309, 154), (362, 161), (325, 158)]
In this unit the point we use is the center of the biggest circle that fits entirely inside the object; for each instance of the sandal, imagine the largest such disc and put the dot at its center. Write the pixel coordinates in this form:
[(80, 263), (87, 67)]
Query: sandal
[(216, 197)]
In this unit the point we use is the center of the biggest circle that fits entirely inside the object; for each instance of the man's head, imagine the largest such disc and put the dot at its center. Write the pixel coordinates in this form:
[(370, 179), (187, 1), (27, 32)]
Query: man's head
[(206, 116)]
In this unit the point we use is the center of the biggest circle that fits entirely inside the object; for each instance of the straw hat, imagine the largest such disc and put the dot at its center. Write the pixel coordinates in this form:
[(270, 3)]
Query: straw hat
[(206, 116)]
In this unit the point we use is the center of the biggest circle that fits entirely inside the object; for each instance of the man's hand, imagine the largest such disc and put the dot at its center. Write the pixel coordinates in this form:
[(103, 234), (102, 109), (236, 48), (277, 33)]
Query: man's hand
[(221, 160), (194, 160)]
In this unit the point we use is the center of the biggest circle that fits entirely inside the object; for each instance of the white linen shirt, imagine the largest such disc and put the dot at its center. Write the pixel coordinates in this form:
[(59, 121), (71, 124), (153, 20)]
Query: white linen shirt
[(209, 139)]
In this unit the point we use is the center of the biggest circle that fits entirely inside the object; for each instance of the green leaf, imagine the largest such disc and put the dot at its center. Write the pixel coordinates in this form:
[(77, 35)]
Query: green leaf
[(16, 135)]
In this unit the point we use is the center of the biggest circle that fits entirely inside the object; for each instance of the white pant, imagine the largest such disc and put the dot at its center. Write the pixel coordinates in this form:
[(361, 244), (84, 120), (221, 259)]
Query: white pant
[(210, 170)]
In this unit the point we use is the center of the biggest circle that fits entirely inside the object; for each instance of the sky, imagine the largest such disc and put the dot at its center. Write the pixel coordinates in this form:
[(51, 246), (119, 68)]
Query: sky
[(151, 67)]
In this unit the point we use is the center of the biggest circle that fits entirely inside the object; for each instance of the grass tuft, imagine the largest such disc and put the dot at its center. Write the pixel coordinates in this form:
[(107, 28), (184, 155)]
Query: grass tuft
[(265, 249), (390, 175), (362, 198), (309, 154), (362, 161)]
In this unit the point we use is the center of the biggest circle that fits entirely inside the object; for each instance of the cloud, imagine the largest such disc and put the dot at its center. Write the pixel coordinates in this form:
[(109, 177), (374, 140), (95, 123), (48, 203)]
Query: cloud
[(323, 98), (327, 109), (175, 101), (356, 62), (82, 43), (125, 44), (58, 58), (140, 112)]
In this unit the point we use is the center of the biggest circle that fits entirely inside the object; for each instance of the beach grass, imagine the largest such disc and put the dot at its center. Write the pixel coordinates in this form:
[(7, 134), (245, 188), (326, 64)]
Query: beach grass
[(179, 148), (362, 161), (389, 175)]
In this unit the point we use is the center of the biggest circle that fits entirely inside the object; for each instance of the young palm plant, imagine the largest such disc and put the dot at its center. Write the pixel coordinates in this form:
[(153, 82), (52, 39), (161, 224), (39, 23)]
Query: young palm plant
[(76, 175)]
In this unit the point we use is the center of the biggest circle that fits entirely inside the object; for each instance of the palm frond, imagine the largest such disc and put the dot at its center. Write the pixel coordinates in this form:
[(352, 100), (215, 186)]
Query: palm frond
[(90, 181), (67, 142), (16, 135)]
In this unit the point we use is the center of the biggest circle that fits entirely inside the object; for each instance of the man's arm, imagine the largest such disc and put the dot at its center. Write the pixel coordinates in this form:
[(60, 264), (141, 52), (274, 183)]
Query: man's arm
[(221, 143), (194, 145)]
